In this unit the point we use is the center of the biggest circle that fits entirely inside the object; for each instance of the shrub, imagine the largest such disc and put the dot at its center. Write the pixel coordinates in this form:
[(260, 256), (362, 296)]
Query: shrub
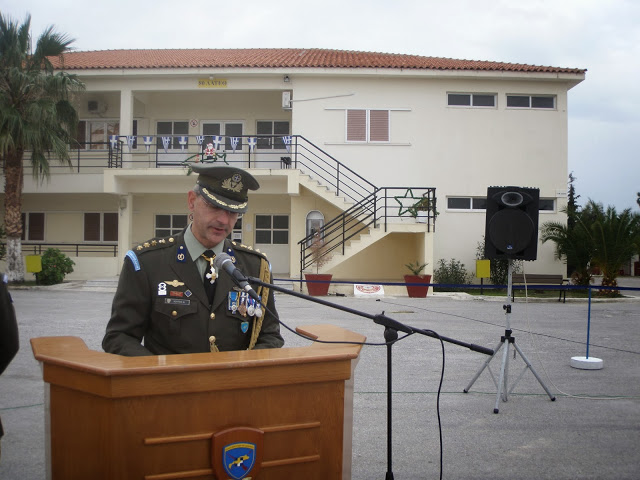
[(55, 265), (452, 273)]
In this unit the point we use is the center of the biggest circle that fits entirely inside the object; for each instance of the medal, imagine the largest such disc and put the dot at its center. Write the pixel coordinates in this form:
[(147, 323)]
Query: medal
[(232, 302), (251, 309)]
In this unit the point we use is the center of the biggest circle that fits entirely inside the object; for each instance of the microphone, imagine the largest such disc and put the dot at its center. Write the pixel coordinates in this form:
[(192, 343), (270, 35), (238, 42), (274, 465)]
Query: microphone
[(224, 262)]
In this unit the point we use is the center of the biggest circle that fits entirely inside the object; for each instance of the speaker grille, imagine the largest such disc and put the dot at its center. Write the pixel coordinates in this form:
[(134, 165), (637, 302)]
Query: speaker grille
[(512, 223)]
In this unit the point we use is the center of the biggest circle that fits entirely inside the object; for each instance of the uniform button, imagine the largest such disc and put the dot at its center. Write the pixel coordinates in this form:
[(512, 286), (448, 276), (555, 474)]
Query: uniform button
[(212, 316), (174, 314)]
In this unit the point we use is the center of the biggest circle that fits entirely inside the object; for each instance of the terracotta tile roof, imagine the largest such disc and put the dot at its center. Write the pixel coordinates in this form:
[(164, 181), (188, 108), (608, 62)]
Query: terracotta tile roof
[(281, 58)]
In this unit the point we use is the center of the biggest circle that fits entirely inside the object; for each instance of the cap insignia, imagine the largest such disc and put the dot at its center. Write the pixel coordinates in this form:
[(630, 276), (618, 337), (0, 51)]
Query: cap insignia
[(234, 183)]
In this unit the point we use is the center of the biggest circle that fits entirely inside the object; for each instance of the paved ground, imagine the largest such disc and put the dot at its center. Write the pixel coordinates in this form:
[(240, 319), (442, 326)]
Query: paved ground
[(592, 430)]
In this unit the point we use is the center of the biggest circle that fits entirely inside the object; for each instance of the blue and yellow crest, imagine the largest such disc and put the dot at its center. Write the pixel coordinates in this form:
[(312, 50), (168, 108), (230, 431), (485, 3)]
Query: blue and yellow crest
[(239, 459)]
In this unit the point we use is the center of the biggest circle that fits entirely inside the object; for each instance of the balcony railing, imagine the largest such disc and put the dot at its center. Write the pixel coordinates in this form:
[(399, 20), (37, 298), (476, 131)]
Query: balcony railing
[(270, 151), (72, 249)]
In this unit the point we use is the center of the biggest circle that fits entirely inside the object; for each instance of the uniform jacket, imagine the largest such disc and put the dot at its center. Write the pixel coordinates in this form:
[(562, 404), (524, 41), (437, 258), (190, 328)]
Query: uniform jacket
[(9, 342), (160, 306)]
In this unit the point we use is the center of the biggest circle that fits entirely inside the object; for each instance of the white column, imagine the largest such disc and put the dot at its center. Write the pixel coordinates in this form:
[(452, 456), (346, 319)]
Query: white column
[(125, 225), (126, 122)]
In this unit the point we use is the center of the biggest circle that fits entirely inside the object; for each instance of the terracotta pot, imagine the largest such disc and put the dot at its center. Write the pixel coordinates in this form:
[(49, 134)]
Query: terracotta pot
[(314, 287), (417, 291)]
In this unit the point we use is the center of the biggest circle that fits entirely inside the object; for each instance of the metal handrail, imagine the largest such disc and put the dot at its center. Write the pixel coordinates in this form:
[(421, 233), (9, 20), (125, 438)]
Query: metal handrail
[(29, 248), (375, 209)]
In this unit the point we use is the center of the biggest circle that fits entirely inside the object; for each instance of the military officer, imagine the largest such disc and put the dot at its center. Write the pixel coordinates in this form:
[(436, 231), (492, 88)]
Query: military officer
[(162, 304)]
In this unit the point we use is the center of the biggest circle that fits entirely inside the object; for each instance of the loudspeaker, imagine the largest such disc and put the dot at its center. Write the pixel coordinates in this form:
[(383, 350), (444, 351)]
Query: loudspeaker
[(511, 229)]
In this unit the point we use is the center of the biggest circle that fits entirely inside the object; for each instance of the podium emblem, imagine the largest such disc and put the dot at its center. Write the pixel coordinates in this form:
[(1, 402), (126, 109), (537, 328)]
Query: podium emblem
[(237, 453)]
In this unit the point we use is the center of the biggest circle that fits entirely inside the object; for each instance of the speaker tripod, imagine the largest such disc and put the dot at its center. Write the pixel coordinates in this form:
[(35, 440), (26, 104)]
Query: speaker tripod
[(506, 341)]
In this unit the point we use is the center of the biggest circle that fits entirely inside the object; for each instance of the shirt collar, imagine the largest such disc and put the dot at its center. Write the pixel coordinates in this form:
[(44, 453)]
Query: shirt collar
[(195, 248)]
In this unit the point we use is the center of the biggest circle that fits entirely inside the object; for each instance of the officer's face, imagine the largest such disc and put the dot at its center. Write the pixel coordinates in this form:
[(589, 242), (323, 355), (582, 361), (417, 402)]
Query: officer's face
[(211, 225)]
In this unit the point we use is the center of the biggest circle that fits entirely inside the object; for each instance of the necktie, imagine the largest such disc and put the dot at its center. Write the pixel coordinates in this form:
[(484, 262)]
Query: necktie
[(209, 277)]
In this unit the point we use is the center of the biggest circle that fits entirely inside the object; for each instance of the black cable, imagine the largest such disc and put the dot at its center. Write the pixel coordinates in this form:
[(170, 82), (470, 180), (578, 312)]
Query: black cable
[(432, 332), (591, 344)]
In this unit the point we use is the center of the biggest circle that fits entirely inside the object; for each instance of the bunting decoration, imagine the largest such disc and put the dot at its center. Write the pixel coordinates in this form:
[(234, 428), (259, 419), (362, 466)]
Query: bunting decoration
[(287, 143), (131, 140), (217, 143), (166, 143)]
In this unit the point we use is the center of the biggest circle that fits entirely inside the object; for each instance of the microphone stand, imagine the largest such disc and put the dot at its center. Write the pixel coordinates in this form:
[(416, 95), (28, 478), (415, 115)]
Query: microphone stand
[(392, 327)]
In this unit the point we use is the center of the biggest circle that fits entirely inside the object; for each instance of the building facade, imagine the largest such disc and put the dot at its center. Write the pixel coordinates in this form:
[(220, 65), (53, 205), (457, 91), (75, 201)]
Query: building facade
[(342, 143)]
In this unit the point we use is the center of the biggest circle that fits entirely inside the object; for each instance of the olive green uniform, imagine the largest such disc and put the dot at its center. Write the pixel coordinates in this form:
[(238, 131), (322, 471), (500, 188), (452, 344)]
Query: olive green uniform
[(161, 301)]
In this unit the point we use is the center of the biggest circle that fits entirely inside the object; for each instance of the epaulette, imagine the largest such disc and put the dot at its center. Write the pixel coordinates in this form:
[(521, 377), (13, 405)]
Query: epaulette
[(153, 244), (248, 249)]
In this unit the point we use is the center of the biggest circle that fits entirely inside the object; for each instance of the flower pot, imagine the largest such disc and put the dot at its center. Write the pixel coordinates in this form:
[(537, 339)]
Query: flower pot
[(421, 287), (318, 283)]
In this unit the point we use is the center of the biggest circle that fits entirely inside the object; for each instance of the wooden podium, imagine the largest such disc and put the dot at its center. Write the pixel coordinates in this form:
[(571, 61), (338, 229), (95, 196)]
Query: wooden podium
[(155, 418)]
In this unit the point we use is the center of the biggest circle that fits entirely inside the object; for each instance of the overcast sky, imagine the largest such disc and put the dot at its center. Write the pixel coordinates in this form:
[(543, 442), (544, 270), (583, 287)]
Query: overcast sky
[(602, 36)]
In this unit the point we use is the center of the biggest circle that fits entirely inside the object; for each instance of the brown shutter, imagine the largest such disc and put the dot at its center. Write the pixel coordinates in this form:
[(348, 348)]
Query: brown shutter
[(91, 227), (110, 227), (36, 226), (379, 125), (356, 125)]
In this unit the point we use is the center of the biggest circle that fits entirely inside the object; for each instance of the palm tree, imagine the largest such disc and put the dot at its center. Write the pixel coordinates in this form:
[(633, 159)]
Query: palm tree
[(615, 238), (573, 244), (36, 115)]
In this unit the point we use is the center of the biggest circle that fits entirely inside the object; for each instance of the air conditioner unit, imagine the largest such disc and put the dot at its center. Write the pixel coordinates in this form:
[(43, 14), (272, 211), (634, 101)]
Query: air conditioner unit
[(286, 100), (96, 106)]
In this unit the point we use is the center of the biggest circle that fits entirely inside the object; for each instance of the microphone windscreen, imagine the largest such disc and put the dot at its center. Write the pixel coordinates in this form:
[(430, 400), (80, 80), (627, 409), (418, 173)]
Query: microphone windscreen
[(220, 260)]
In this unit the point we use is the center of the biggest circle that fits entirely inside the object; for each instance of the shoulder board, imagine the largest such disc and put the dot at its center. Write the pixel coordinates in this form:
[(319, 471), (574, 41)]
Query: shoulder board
[(248, 249), (154, 244)]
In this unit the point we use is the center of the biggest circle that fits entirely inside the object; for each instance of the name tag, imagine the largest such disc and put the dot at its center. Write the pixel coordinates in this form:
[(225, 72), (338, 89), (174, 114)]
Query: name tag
[(177, 301)]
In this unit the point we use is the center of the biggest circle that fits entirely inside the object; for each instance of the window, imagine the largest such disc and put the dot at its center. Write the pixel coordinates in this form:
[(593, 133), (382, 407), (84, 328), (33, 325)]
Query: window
[(100, 227), (167, 225), (471, 99), (547, 205), (33, 226), (174, 129), (272, 229), (466, 203), (279, 128), (95, 134), (236, 233), (367, 126), (480, 203), (531, 101)]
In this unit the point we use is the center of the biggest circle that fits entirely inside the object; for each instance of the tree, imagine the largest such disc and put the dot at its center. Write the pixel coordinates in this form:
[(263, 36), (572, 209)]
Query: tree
[(36, 116), (571, 243), (600, 238), (615, 238)]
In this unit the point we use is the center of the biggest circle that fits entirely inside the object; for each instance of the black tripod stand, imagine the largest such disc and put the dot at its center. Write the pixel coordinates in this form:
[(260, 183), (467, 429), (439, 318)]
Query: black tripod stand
[(506, 341), (392, 327)]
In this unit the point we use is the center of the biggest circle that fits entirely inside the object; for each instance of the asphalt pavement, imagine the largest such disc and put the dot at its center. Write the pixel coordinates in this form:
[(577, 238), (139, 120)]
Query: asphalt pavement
[(591, 430)]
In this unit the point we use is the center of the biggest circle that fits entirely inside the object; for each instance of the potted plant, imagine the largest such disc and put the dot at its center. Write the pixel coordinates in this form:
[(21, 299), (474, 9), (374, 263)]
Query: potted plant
[(417, 283), (318, 283)]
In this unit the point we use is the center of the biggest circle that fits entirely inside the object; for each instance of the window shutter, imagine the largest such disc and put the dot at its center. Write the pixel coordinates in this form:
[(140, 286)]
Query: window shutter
[(91, 227), (110, 227), (36, 226), (379, 125), (356, 125)]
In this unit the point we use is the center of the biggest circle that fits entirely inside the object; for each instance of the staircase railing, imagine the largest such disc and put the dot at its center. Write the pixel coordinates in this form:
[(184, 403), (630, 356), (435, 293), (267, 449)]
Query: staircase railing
[(386, 205)]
